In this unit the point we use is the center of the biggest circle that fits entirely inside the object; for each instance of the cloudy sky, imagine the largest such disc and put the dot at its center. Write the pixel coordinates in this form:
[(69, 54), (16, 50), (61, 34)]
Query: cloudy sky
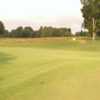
[(57, 13)]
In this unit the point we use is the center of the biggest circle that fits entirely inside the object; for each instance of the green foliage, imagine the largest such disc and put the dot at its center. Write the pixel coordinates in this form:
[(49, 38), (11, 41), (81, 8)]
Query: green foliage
[(90, 10), (54, 32), (2, 28), (82, 33), (29, 32), (22, 32)]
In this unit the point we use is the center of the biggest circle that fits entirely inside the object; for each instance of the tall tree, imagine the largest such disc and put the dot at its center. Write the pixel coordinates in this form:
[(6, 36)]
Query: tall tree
[(90, 12), (2, 28)]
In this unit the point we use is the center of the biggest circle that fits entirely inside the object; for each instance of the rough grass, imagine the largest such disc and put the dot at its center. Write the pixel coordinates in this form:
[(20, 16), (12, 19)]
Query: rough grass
[(49, 69)]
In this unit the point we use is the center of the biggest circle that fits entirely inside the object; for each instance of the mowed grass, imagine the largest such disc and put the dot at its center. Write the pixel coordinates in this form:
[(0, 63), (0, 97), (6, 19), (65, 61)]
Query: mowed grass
[(49, 69)]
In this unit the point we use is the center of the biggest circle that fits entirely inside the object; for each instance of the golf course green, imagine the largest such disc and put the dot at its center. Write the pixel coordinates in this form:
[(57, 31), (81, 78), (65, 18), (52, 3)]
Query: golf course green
[(49, 69)]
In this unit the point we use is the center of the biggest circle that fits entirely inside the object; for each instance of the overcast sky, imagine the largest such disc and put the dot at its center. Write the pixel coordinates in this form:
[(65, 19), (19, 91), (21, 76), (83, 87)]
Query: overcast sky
[(57, 13)]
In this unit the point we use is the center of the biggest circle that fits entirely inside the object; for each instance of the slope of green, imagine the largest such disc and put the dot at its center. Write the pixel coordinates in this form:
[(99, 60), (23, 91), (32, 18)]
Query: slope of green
[(51, 69)]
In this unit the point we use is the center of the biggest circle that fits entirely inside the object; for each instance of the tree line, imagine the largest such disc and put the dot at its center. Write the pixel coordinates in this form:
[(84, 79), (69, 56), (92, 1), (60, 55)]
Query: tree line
[(30, 32)]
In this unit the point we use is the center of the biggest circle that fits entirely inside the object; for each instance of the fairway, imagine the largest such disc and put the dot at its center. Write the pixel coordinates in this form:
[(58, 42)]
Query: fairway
[(49, 69)]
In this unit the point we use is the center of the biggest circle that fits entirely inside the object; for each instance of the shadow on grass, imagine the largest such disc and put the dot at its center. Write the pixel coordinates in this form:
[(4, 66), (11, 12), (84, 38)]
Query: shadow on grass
[(5, 58)]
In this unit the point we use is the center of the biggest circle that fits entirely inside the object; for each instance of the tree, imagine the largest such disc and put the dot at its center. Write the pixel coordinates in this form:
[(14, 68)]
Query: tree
[(54, 32), (18, 32), (28, 32), (22, 32), (91, 11), (2, 28)]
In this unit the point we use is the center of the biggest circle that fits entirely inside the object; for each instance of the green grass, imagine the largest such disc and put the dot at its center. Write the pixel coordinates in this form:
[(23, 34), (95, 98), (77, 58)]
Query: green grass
[(49, 69)]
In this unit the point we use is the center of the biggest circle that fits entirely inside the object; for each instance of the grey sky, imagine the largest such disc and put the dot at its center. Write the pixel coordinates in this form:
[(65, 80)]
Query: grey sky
[(57, 13)]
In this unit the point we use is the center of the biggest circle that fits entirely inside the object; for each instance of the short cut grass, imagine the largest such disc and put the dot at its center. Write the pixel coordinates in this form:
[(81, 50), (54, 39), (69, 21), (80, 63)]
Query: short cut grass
[(49, 69)]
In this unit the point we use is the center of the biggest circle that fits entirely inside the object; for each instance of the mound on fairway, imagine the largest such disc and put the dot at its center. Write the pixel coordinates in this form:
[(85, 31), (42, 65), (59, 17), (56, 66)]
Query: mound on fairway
[(49, 69)]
